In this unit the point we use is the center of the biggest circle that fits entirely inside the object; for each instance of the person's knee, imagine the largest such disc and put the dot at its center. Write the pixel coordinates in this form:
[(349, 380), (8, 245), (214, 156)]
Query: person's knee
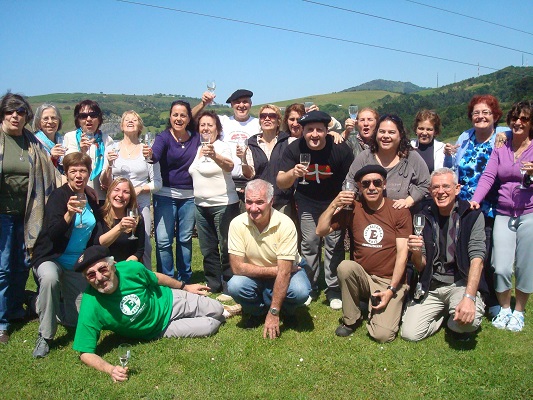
[(239, 288), (345, 269), (48, 280), (381, 334), (410, 334)]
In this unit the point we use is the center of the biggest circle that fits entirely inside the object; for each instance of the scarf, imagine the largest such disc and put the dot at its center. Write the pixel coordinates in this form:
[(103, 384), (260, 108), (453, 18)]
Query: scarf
[(99, 154), (43, 179), (47, 143)]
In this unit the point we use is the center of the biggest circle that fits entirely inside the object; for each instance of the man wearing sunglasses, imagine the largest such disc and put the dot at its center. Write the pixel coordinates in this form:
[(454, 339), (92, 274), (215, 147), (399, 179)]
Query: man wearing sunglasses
[(134, 302), (380, 234), (449, 258)]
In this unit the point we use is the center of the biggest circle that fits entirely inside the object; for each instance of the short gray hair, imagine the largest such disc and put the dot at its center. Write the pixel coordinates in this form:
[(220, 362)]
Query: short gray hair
[(36, 124), (259, 184), (444, 171)]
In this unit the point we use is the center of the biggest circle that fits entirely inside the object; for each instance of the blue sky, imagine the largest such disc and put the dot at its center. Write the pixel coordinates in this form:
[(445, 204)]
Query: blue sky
[(115, 47)]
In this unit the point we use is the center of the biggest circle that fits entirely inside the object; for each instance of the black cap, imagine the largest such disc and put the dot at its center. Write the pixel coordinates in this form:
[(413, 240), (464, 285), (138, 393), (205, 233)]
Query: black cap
[(314, 116), (370, 169), (90, 256), (238, 94)]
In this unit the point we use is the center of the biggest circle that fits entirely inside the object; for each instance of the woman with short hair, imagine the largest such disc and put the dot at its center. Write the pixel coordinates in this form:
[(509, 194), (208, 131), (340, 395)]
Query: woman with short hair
[(46, 125)]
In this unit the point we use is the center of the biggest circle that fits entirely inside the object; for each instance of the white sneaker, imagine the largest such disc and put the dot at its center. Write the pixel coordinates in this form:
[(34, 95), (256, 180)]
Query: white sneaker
[(336, 304), (501, 320), (516, 322), (308, 301), (224, 297)]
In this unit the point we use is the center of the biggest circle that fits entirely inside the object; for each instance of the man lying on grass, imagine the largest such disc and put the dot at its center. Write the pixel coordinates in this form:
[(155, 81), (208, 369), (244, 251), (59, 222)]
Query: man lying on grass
[(134, 302)]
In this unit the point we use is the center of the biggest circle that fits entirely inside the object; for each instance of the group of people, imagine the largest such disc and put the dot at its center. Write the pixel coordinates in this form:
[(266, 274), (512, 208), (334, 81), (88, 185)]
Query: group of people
[(268, 196)]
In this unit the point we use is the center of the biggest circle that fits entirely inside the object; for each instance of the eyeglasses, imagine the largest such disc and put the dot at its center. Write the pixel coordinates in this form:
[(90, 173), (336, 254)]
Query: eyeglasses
[(50, 119), (269, 115), (20, 111), (524, 120), (376, 182), (445, 187), (92, 114), (91, 276), (485, 113)]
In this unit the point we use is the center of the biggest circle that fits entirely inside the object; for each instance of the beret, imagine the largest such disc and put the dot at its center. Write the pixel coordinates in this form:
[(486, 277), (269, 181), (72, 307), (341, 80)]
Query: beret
[(370, 169), (314, 116), (90, 256), (238, 94)]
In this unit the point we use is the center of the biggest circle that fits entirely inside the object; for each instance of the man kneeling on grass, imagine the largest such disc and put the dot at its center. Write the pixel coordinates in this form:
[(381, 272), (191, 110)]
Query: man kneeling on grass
[(134, 302), (262, 246)]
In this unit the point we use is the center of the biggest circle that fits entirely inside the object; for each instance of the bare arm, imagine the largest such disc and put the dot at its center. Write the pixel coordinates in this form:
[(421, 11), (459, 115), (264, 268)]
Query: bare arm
[(108, 238), (207, 98), (165, 280), (239, 267), (465, 311), (323, 227), (117, 373), (279, 292)]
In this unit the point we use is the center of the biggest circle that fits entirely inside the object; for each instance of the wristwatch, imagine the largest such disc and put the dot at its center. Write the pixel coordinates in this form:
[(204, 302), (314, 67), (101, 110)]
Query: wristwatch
[(274, 311), (392, 289)]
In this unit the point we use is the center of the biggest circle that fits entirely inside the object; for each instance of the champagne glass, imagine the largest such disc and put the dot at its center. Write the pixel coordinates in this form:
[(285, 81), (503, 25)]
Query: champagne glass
[(133, 213), (523, 172), (349, 187), (148, 141), (124, 354), (419, 221), (415, 143), (353, 111), (114, 149), (61, 142), (305, 160), (241, 142), (308, 105), (211, 85), (82, 200), (206, 139)]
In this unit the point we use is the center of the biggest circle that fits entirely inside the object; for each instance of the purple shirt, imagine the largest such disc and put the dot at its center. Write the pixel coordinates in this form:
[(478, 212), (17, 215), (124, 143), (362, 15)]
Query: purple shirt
[(512, 201), (174, 159)]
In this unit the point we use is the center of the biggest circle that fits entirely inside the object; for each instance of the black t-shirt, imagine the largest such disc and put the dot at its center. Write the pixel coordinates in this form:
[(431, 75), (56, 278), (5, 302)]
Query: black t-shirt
[(327, 170)]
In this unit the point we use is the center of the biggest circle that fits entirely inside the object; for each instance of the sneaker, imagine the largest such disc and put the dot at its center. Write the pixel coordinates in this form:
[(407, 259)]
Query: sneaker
[(335, 304), (4, 337), (516, 322), (224, 297), (254, 321), (344, 330), (42, 348), (231, 311), (501, 320)]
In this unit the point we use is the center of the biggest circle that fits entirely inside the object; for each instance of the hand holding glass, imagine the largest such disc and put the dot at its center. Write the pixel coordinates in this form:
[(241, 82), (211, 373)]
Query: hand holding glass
[(419, 221), (211, 85), (305, 160), (349, 187), (353, 111), (82, 200), (133, 213), (206, 139)]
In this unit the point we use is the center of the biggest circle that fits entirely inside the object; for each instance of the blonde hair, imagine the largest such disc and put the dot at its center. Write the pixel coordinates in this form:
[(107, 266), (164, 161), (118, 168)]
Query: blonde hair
[(139, 119), (107, 208), (276, 110)]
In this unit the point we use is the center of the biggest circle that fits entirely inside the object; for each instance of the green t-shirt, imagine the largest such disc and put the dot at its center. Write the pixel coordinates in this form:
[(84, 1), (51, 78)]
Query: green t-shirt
[(139, 308), (14, 177)]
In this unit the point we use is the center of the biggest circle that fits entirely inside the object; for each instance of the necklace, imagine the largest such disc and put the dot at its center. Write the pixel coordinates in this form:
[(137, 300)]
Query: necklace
[(21, 157), (128, 152)]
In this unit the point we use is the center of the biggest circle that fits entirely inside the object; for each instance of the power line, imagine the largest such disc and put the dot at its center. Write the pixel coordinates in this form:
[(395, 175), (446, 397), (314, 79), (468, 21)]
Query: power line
[(468, 16), (313, 34), (416, 26)]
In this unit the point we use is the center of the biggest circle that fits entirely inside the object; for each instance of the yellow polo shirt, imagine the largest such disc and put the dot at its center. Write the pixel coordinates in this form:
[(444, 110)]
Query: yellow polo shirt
[(278, 241)]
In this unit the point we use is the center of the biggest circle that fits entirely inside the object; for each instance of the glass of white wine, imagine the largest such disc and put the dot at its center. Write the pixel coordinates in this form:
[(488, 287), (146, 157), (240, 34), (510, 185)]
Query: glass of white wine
[(211, 85), (305, 160), (353, 111), (349, 187), (82, 200), (133, 213), (124, 354), (205, 140), (419, 221)]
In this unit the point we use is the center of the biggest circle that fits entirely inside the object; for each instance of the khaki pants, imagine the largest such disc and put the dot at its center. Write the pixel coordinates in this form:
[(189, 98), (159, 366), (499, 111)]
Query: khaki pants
[(356, 284)]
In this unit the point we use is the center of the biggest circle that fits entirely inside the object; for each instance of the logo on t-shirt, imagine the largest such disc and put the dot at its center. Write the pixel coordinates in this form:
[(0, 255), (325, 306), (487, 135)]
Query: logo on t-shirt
[(373, 235), (316, 172), (130, 304)]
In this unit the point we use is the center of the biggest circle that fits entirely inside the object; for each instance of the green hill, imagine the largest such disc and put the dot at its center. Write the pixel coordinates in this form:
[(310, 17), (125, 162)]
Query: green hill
[(390, 86)]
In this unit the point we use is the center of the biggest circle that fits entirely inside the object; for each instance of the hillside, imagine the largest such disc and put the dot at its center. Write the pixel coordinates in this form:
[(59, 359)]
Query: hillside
[(389, 86)]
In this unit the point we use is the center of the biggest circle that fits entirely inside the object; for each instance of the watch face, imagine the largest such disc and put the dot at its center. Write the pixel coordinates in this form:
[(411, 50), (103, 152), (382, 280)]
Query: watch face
[(274, 311)]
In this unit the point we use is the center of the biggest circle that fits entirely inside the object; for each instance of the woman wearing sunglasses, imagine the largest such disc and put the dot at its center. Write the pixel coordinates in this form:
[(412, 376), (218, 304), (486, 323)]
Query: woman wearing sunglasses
[(27, 178), (407, 173), (89, 139), (265, 151)]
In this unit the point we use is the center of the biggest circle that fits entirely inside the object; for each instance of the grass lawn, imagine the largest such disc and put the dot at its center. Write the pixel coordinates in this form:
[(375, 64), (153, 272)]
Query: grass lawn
[(308, 363)]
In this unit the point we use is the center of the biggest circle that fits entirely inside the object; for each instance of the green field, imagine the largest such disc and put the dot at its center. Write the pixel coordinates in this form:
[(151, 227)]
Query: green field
[(307, 363)]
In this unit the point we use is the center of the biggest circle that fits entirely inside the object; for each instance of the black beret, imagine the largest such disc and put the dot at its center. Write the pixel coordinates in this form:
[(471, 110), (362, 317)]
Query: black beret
[(90, 256), (370, 169), (314, 116), (238, 94)]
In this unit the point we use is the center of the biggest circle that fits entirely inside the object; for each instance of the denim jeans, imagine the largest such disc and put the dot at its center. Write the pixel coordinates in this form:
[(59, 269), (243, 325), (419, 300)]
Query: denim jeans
[(255, 294), (212, 224), (14, 268), (174, 218)]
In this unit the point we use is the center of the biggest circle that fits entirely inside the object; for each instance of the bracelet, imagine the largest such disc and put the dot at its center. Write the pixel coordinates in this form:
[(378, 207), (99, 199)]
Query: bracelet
[(182, 285), (469, 296)]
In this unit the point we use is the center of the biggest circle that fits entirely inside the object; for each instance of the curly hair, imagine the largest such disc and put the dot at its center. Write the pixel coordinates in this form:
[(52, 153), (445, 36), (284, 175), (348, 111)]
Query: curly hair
[(404, 146), (489, 100)]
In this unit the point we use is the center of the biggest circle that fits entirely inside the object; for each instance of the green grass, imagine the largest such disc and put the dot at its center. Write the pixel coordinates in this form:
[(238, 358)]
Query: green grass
[(239, 364)]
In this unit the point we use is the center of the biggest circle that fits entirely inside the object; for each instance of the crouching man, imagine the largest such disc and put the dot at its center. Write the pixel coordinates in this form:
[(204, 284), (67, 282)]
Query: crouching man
[(449, 258), (134, 302)]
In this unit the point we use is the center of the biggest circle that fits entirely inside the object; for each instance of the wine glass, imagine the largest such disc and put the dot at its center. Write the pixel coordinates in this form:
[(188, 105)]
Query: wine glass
[(82, 200), (241, 142), (349, 186), (419, 221), (305, 160), (114, 149), (523, 171), (124, 354), (211, 85), (308, 105), (148, 140), (415, 143), (61, 142), (133, 213), (353, 111), (206, 139)]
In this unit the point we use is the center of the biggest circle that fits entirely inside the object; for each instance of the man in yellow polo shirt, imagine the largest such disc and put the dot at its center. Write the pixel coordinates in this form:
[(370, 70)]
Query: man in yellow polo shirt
[(262, 246)]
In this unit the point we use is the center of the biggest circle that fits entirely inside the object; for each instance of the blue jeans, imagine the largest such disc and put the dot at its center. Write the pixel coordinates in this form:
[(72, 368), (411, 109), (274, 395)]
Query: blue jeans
[(255, 294), (212, 224), (174, 218), (14, 268)]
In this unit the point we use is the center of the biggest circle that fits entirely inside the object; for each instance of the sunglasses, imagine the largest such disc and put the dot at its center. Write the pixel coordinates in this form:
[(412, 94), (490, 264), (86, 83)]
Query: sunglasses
[(524, 120), (91, 276), (269, 115), (20, 111), (376, 182), (92, 114)]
